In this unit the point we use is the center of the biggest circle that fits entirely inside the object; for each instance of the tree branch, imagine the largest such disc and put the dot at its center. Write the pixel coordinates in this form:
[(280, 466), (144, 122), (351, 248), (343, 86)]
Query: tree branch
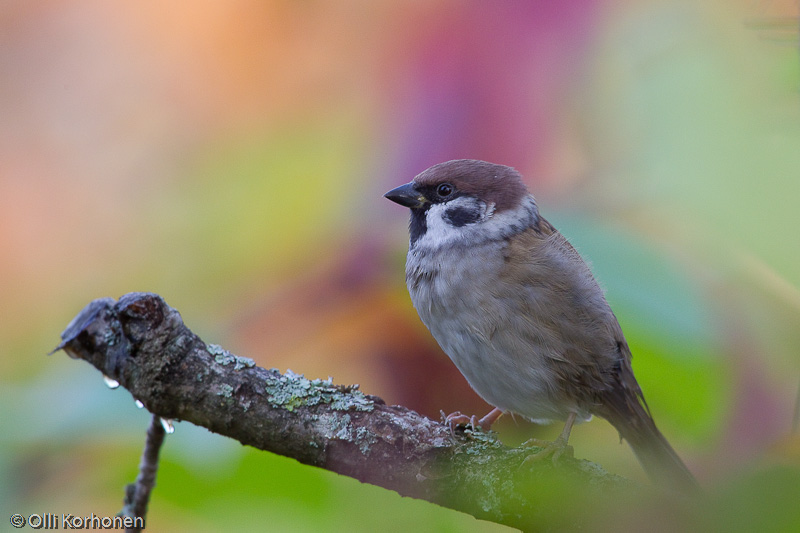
[(143, 344), (137, 494)]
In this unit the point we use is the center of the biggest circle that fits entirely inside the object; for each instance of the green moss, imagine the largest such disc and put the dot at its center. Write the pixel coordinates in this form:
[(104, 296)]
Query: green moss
[(480, 442)]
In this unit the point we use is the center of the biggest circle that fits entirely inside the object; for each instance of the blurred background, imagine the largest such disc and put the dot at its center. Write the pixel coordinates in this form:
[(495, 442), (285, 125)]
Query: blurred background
[(232, 156)]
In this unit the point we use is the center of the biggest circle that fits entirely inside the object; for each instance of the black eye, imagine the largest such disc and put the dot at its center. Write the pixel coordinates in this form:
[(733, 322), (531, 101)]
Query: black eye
[(445, 189)]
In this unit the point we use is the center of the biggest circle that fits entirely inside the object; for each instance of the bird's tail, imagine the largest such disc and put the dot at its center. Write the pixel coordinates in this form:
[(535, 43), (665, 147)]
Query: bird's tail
[(626, 410)]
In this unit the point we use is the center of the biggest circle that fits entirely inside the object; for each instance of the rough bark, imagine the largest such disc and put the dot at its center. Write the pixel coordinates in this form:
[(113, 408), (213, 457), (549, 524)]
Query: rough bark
[(142, 343)]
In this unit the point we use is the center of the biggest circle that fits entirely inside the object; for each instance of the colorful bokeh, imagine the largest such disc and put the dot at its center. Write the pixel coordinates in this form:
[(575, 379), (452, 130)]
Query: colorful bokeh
[(232, 156)]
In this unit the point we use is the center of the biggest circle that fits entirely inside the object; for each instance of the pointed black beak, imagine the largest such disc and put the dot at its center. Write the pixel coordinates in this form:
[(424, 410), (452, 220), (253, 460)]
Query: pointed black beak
[(407, 196)]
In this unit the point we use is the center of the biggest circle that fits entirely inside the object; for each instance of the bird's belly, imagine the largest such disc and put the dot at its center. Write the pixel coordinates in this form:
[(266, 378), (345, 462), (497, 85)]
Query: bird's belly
[(518, 381), (507, 370)]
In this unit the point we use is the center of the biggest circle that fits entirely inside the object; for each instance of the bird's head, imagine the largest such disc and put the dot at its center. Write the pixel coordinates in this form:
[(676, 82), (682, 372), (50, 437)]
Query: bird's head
[(464, 201)]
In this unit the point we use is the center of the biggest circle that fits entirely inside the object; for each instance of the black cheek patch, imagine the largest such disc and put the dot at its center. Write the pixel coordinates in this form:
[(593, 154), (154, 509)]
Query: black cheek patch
[(461, 216)]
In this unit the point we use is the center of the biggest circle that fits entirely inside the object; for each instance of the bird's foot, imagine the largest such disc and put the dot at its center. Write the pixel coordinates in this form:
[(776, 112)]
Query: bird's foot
[(459, 419), (554, 450)]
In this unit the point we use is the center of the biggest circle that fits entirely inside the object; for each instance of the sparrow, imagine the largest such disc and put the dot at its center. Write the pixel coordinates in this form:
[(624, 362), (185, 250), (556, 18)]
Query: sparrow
[(518, 311)]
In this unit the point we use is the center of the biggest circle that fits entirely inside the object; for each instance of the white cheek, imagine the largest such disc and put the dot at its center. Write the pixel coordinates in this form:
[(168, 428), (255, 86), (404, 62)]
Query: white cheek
[(490, 226), (439, 231)]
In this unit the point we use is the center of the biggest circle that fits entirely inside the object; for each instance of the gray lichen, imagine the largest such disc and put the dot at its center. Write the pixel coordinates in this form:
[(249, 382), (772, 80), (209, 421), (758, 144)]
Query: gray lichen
[(291, 391), (225, 390), (339, 427), (224, 357), (365, 439)]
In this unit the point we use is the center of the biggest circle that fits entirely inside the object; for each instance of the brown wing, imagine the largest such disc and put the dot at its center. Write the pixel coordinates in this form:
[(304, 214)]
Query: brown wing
[(595, 364), (588, 351)]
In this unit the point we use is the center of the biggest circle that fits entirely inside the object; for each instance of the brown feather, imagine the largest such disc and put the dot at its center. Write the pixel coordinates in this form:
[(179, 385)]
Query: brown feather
[(623, 405), (598, 367)]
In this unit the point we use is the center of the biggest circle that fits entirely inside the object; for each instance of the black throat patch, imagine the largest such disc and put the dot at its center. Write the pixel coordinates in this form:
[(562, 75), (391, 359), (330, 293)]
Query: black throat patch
[(418, 224)]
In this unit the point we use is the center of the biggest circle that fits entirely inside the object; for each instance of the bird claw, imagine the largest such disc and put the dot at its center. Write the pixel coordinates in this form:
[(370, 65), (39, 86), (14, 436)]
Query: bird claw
[(459, 420), (554, 450)]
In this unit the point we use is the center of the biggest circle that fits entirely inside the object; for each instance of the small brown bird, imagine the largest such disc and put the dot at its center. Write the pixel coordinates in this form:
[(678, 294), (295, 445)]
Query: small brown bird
[(518, 311)]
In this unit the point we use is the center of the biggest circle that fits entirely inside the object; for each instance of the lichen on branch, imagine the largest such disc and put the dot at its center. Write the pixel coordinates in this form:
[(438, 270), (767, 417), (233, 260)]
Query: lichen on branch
[(143, 344)]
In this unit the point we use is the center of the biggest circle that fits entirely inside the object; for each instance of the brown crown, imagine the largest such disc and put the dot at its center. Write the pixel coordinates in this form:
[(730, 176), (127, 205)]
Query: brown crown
[(492, 183)]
